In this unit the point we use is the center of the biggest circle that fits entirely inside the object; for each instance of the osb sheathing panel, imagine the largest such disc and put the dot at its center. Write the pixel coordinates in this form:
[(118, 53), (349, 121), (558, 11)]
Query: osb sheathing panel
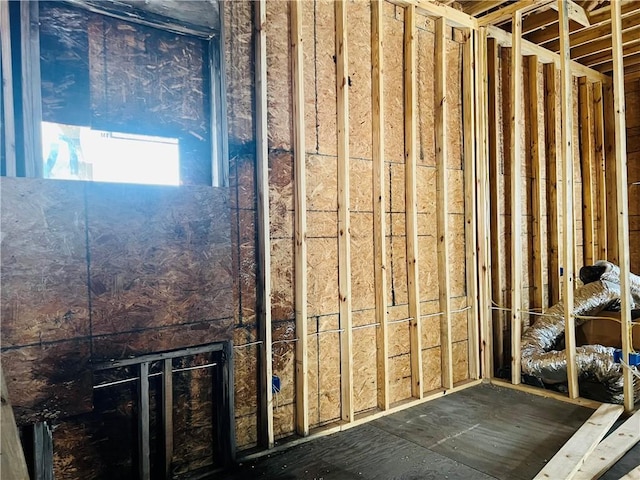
[(428, 267), (238, 68), (46, 382), (281, 195), (361, 189), (432, 368), (44, 261), (362, 274), (313, 371), (359, 51), (245, 359), (322, 276), (322, 183), (329, 368), (325, 72), (460, 352), (426, 97), (454, 105), (147, 245), (322, 224), (279, 93), (282, 275), (309, 70), (399, 378), (284, 335), (397, 273), (364, 366), (457, 257), (393, 91)]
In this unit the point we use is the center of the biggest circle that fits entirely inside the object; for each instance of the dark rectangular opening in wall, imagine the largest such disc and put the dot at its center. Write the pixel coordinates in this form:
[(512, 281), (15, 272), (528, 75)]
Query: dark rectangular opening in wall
[(159, 416)]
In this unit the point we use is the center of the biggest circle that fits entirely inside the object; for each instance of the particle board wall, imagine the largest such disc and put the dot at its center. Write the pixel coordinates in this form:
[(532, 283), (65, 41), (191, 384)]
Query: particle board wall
[(320, 134), (97, 271), (632, 94)]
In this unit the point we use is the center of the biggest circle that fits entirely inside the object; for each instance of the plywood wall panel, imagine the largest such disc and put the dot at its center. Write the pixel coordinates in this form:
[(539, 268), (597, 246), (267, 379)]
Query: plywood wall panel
[(364, 364), (362, 275), (359, 71), (393, 94), (279, 93), (44, 293), (431, 371), (426, 100), (322, 184), (325, 45)]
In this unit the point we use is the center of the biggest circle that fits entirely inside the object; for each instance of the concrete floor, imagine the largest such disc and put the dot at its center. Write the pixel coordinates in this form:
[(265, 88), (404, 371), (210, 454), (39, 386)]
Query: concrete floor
[(481, 433)]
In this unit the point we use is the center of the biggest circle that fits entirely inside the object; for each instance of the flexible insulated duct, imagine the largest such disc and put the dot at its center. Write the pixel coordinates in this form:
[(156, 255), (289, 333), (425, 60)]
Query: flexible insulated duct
[(594, 362)]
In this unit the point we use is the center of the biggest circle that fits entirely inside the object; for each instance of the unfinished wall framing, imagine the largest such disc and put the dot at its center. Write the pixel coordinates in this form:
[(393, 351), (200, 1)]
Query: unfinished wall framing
[(566, 171), (376, 313), (394, 226)]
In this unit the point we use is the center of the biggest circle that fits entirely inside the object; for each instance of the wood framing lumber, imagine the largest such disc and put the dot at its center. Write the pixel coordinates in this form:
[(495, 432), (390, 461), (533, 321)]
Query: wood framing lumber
[(167, 415), (379, 203), (13, 463), (611, 449), (411, 196), (266, 436), (344, 235), (601, 185), (478, 8), (438, 10), (632, 475), (516, 198), (537, 185), (546, 56), (496, 192), (610, 174), (587, 165), (9, 144), (622, 197), (470, 189), (442, 198), (554, 186), (144, 447), (483, 198), (573, 454), (31, 89), (566, 89), (503, 14), (576, 13)]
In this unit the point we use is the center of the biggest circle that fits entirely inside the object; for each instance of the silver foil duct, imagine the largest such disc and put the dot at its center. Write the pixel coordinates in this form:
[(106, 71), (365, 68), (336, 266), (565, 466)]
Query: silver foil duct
[(594, 362)]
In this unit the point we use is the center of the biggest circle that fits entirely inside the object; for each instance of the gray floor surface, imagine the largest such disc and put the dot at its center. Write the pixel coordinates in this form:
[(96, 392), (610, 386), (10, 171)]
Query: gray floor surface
[(481, 433)]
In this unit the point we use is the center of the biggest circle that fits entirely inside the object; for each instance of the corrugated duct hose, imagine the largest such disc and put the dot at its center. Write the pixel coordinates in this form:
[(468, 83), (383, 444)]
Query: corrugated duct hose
[(595, 362)]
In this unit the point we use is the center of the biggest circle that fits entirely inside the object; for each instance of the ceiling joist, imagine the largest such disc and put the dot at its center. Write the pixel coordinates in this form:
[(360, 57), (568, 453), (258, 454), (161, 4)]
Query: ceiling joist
[(504, 14)]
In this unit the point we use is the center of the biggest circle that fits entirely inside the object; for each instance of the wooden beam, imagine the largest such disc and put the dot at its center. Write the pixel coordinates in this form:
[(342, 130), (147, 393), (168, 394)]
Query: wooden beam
[(546, 56), (502, 15), (31, 88), (554, 185), (566, 88), (266, 436), (601, 185), (379, 203), (622, 199), (13, 463), (597, 45), (611, 449), (485, 268), (543, 19), (610, 174), (470, 188), (144, 447), (516, 197), (597, 59), (167, 415), (411, 195), (589, 196), (442, 198), (629, 60), (537, 185), (344, 234), (587, 35), (9, 144), (601, 19), (572, 455), (496, 194), (438, 10), (478, 8), (576, 13), (603, 14)]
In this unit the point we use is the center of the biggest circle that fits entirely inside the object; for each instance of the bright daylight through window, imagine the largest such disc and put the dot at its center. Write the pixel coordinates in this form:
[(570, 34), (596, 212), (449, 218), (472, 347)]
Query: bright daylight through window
[(80, 153)]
